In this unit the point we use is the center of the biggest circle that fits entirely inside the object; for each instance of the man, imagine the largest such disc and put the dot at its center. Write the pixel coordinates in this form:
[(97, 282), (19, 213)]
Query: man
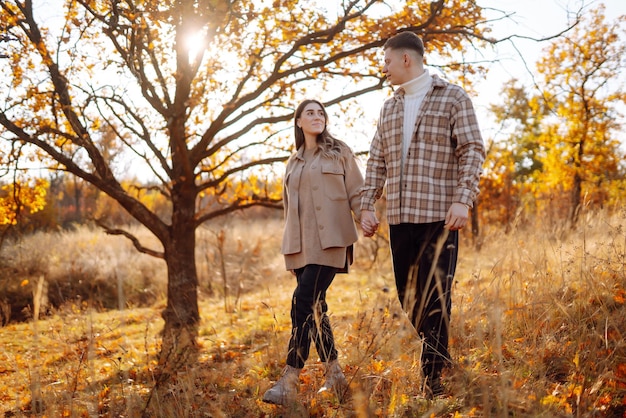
[(428, 150)]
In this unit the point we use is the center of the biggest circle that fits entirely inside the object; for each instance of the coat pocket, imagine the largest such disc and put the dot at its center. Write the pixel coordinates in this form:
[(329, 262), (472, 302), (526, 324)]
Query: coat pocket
[(333, 179)]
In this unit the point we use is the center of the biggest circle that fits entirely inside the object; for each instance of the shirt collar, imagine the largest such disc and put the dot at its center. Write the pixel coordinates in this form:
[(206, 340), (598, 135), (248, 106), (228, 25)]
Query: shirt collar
[(300, 153)]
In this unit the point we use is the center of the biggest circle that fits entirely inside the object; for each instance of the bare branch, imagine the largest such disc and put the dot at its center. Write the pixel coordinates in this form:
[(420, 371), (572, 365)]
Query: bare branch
[(144, 134), (109, 186), (273, 204), (225, 159), (132, 55), (132, 238), (227, 174)]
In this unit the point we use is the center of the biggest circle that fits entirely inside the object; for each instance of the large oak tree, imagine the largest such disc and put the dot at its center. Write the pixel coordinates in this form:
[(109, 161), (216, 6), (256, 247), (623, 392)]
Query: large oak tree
[(200, 117)]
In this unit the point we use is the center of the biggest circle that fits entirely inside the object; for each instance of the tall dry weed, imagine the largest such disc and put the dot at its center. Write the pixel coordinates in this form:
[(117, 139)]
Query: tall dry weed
[(537, 330), (539, 321)]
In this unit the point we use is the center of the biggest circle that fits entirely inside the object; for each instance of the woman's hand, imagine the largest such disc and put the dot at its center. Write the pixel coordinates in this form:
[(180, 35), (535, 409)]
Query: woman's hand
[(369, 223)]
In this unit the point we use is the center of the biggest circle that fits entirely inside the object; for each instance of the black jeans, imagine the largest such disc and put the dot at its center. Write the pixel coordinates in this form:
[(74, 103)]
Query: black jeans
[(424, 271), (309, 319)]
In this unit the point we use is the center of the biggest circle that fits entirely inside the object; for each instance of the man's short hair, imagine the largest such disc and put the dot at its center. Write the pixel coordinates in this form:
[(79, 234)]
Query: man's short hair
[(406, 40)]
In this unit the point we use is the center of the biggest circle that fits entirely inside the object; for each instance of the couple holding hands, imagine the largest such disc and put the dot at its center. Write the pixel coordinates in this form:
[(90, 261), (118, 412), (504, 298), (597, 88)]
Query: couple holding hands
[(428, 152)]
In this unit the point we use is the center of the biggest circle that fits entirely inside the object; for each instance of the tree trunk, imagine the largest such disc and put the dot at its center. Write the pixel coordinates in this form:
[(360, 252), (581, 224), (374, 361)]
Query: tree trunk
[(576, 199), (179, 345), (77, 200), (476, 242), (578, 181)]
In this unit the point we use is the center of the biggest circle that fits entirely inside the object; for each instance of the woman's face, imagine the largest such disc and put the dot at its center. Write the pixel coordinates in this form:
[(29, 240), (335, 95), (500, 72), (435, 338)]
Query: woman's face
[(312, 120)]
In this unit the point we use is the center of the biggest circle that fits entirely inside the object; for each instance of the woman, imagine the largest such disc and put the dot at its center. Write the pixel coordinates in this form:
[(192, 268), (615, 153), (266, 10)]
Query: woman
[(321, 189)]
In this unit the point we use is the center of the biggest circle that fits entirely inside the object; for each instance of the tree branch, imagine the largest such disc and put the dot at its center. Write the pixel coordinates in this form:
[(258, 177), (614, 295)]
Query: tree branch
[(243, 167), (132, 238), (273, 204)]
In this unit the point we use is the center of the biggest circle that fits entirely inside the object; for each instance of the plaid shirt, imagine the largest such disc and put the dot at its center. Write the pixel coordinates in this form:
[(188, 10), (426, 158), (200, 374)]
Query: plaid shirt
[(443, 164)]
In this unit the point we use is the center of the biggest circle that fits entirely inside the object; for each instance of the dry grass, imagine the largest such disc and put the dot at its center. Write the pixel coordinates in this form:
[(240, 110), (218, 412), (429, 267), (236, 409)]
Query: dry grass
[(538, 331)]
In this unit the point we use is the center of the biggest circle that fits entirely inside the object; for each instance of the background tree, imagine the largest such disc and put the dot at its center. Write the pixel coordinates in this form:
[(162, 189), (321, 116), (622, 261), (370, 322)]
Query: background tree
[(193, 94), (581, 154), (561, 148), (19, 198), (512, 163)]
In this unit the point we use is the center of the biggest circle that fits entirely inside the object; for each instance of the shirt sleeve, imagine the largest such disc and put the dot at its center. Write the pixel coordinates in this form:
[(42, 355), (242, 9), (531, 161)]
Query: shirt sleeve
[(470, 151), (354, 183), (376, 172), (285, 191)]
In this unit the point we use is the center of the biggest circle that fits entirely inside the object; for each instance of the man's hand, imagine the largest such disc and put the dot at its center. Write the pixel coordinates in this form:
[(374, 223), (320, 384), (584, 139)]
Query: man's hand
[(369, 223), (457, 216)]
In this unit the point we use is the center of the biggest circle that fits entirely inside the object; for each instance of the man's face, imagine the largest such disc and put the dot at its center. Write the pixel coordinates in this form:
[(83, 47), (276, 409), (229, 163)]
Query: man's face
[(396, 66)]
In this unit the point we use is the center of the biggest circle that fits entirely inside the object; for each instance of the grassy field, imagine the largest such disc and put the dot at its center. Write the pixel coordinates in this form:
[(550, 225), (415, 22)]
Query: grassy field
[(538, 329)]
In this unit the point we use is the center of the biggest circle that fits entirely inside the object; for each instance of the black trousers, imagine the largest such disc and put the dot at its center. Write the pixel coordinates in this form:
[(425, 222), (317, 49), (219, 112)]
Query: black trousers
[(424, 262), (309, 319)]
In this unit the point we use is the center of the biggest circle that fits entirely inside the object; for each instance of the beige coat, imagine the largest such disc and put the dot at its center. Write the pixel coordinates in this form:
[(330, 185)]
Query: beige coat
[(336, 190)]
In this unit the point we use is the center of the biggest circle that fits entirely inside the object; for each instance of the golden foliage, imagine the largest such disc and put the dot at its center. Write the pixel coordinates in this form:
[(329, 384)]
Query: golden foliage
[(564, 152), (16, 197), (123, 75)]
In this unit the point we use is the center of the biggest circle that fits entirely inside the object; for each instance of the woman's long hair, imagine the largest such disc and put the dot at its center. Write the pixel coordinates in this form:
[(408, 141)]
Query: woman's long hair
[(329, 146)]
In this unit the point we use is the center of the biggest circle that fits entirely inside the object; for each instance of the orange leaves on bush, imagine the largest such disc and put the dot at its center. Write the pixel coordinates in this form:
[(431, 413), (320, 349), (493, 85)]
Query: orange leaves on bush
[(620, 376), (20, 196), (307, 379), (226, 356), (378, 366), (397, 401), (604, 400), (106, 390), (561, 397)]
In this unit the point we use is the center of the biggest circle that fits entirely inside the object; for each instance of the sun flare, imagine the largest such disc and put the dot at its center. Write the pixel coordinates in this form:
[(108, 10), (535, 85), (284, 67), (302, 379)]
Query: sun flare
[(195, 43)]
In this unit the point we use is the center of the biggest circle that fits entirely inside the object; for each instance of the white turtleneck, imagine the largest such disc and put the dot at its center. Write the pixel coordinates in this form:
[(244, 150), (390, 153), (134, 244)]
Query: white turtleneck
[(414, 92)]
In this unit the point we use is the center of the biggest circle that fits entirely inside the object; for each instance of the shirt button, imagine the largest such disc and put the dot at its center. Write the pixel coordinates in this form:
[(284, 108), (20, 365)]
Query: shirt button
[(318, 207), (321, 227), (314, 187), (313, 166)]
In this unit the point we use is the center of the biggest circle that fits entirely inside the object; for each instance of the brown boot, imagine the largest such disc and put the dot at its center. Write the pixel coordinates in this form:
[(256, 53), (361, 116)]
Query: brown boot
[(285, 390), (334, 379)]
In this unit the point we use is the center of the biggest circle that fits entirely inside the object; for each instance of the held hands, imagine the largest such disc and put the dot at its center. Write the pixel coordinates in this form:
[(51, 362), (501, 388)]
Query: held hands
[(457, 216), (369, 223)]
